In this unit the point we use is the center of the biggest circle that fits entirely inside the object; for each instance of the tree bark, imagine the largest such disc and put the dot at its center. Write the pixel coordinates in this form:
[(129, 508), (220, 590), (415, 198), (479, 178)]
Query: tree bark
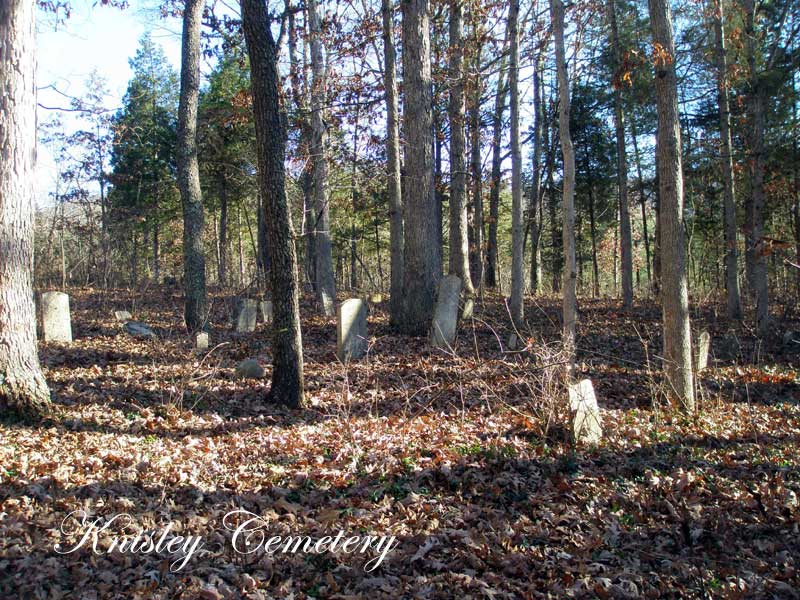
[(476, 266), (642, 201), (194, 262), (287, 350), (422, 269), (569, 302), (491, 274), (756, 255), (517, 306), (325, 283), (675, 293), (626, 252), (222, 268), (23, 389), (459, 236), (393, 167), (536, 187), (734, 305)]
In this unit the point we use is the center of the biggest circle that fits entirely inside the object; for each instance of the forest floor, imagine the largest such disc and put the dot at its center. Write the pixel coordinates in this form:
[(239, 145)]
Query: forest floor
[(461, 456)]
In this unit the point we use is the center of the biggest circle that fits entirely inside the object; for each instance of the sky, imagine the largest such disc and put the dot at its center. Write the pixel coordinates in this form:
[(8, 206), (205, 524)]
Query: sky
[(94, 37)]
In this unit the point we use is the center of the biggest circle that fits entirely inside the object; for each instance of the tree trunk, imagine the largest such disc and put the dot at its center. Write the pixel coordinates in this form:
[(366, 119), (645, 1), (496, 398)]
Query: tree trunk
[(476, 266), (222, 268), (734, 306), (675, 293), (491, 274), (593, 234), (517, 210), (570, 302), (23, 389), (422, 268), (642, 201), (459, 242), (536, 188), (393, 167), (325, 283), (626, 253), (287, 350), (756, 255), (194, 262)]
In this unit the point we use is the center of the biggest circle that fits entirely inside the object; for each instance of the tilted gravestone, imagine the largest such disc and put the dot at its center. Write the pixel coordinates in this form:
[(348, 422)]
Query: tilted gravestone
[(586, 425), (139, 330), (56, 325), (701, 351), (445, 315), (122, 315), (201, 341), (351, 329), (249, 369), (246, 315), (266, 311)]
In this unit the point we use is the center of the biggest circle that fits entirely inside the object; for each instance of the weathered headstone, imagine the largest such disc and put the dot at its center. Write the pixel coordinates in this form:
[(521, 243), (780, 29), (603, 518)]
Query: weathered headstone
[(201, 341), (514, 342), (249, 369), (351, 330), (122, 315), (445, 315), (586, 426), (139, 330), (246, 315), (56, 325), (701, 351), (266, 311)]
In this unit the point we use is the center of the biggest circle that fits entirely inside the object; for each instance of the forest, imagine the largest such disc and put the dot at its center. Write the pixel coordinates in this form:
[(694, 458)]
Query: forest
[(415, 299)]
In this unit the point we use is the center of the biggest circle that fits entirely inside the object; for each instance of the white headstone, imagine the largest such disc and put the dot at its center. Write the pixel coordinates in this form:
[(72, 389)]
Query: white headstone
[(701, 352), (586, 425), (266, 311), (246, 315), (122, 315), (351, 329), (56, 325), (201, 341), (445, 315)]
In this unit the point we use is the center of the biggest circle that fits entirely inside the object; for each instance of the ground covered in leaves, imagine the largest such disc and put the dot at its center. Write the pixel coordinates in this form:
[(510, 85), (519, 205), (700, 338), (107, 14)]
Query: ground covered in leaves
[(461, 456)]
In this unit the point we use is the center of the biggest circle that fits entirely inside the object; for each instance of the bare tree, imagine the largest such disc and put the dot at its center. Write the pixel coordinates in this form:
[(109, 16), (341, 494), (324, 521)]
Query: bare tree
[(287, 348), (517, 210), (459, 237), (674, 292), (23, 389), (194, 261), (569, 302), (422, 251)]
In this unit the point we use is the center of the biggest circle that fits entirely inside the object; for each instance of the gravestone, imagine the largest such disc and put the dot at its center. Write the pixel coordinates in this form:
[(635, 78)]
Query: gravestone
[(56, 325), (246, 315), (445, 315), (729, 347), (513, 342), (201, 341), (586, 426), (122, 315), (351, 329), (139, 330), (266, 311), (249, 369), (701, 351), (791, 341)]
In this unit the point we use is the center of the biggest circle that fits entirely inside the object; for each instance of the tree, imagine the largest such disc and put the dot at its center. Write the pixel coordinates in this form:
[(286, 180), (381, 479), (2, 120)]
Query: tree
[(734, 306), (393, 167), (622, 166), (287, 349), (194, 261), (422, 252), (517, 209), (674, 289), (325, 285), (23, 389), (491, 274), (570, 302), (459, 237)]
